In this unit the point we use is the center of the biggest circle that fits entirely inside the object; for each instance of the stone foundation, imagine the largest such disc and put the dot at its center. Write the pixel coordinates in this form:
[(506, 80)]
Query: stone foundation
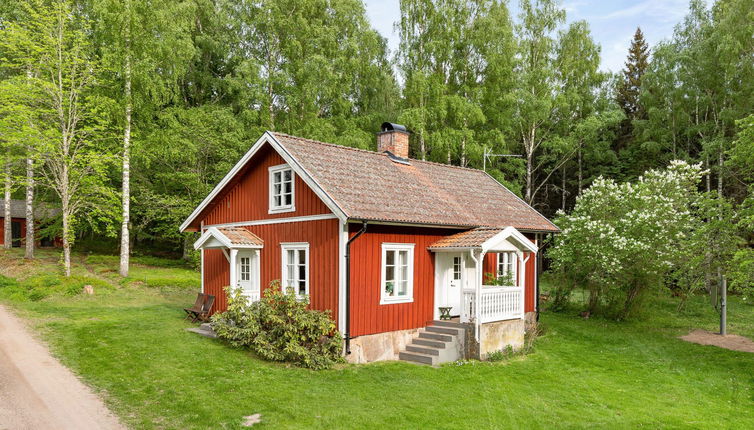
[(530, 320), (499, 335), (380, 346)]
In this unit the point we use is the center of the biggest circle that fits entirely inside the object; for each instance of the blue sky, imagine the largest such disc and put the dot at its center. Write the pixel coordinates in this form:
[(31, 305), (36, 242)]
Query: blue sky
[(613, 22)]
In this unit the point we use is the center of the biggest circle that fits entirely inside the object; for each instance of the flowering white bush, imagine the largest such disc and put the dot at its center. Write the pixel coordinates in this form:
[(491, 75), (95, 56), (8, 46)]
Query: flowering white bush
[(624, 238)]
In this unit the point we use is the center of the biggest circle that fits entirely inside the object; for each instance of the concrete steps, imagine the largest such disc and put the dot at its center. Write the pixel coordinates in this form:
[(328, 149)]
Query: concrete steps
[(439, 342)]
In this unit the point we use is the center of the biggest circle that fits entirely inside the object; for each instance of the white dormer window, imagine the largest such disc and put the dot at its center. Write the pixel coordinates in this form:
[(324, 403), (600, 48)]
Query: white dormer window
[(281, 189)]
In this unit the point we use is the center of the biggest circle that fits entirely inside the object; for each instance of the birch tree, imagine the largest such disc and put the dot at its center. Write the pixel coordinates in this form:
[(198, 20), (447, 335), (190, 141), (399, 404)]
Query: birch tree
[(145, 48), (74, 158)]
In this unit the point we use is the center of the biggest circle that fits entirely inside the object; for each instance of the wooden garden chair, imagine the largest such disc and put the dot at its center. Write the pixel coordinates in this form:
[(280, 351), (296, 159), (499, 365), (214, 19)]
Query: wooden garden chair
[(206, 308), (193, 311)]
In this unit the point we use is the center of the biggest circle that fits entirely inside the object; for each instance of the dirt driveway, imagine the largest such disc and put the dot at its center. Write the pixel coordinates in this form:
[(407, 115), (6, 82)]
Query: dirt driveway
[(37, 392)]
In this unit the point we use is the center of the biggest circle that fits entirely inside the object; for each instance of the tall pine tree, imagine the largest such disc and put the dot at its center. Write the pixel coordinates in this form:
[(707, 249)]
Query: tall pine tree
[(630, 89)]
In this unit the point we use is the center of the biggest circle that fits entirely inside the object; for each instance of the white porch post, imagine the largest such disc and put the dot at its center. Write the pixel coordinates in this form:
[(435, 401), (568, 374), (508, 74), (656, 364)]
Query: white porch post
[(232, 262), (522, 280), (478, 295)]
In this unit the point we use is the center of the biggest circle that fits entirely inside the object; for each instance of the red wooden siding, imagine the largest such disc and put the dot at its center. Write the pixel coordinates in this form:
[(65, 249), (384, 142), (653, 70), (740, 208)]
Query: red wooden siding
[(529, 281), (368, 316), (248, 198), (322, 236), (23, 229)]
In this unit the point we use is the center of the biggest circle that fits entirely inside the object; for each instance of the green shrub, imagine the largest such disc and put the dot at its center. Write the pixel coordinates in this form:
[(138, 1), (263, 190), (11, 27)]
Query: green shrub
[(280, 328)]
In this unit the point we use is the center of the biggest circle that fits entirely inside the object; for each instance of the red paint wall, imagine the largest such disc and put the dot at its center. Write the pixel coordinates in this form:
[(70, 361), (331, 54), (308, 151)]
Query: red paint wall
[(368, 316), (248, 198), (23, 229), (322, 237)]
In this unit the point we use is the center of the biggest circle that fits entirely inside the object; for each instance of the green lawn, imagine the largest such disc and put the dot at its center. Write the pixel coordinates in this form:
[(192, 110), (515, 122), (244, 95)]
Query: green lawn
[(130, 343)]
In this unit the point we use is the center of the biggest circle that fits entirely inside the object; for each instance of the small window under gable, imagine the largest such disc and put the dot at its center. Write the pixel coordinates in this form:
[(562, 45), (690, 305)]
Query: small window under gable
[(282, 197)]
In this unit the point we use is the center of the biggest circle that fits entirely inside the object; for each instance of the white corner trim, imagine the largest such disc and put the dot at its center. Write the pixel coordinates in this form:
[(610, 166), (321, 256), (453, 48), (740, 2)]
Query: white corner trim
[(342, 240), (276, 220), (267, 137)]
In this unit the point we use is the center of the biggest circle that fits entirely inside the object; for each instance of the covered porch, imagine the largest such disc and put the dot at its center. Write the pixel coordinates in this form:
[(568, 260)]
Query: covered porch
[(479, 293), (242, 251)]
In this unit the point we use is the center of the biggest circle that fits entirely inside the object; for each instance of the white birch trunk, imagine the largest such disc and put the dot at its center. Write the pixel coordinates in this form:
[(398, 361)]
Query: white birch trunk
[(125, 247), (7, 233), (29, 251), (65, 199)]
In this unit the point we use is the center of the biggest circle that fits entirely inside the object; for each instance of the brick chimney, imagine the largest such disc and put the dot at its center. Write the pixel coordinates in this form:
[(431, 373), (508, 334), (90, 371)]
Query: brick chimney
[(393, 138)]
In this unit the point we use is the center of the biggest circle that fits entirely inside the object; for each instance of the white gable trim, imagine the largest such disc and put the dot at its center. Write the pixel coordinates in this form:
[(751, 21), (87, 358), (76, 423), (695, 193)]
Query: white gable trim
[(509, 234), (214, 238), (267, 137)]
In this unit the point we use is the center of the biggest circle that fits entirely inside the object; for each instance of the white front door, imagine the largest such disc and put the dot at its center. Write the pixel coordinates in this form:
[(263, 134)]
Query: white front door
[(451, 278), (246, 276)]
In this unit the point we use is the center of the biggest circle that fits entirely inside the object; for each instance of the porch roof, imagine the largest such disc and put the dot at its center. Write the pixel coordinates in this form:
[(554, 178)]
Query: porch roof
[(228, 237), (484, 238)]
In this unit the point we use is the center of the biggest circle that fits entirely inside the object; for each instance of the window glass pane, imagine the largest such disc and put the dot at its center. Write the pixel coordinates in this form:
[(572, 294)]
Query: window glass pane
[(389, 273), (403, 290), (287, 175), (404, 273), (302, 272), (276, 177), (390, 257), (287, 187)]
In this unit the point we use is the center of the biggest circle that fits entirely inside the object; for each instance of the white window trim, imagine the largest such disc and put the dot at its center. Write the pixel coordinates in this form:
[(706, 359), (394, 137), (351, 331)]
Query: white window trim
[(290, 246), (514, 269), (409, 298), (271, 190)]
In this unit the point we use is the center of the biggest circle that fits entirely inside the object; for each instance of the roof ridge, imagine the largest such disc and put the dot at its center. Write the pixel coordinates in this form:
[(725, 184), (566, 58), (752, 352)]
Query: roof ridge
[(319, 142)]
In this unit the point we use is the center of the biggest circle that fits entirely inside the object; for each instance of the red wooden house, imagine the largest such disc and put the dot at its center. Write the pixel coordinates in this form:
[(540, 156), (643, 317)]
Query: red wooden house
[(381, 241), (42, 214)]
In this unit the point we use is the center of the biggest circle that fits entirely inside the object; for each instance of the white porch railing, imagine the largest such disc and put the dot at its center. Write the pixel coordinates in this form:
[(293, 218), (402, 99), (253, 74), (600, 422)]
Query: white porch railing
[(495, 304)]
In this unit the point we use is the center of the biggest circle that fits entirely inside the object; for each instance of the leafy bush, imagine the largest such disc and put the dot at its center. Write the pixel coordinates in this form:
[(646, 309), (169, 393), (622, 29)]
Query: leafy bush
[(280, 328), (622, 240), (742, 273)]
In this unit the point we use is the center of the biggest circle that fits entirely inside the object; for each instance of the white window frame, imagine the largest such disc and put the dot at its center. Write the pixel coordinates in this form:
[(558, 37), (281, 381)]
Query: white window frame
[(293, 246), (510, 259), (409, 297), (274, 209)]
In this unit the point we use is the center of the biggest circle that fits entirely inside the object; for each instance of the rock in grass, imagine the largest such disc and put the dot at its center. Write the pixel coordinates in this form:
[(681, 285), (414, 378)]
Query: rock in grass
[(251, 420)]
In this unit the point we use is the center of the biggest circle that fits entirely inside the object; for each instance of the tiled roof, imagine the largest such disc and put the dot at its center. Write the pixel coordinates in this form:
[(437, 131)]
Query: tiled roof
[(367, 185), (241, 236), (467, 239), (18, 209)]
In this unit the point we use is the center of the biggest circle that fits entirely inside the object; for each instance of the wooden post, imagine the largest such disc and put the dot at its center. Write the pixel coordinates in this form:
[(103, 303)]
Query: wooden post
[(723, 306), (232, 262)]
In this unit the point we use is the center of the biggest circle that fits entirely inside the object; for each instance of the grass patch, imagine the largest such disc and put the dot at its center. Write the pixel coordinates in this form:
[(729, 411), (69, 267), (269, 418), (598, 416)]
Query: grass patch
[(131, 345)]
